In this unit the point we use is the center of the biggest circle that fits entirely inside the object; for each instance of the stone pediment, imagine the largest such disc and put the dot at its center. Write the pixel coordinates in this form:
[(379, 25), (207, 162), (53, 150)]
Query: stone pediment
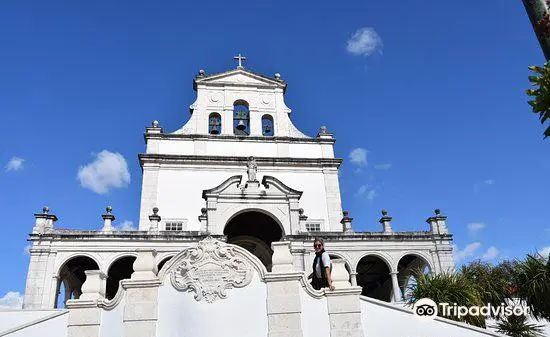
[(239, 77), (233, 187)]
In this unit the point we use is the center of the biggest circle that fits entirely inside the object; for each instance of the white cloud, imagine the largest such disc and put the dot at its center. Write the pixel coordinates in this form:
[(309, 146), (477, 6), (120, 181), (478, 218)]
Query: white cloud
[(12, 300), (475, 227), (364, 42), (369, 193), (358, 156), (491, 253), (468, 251), (383, 166), (362, 189), (107, 170), (488, 182), (126, 225), (15, 164), (544, 251)]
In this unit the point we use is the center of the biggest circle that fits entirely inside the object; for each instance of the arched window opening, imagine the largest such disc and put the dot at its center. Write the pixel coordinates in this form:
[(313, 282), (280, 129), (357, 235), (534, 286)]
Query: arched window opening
[(267, 125), (408, 268), (121, 269), (215, 124), (373, 275), (254, 231), (241, 118), (71, 278), (163, 262)]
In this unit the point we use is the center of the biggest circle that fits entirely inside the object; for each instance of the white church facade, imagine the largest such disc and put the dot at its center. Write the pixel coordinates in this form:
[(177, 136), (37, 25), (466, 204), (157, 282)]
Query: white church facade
[(230, 205)]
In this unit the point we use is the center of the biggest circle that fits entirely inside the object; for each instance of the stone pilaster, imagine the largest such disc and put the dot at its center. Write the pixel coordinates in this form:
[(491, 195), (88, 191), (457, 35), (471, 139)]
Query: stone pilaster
[(141, 308), (334, 203), (284, 308), (85, 314), (149, 192), (344, 308)]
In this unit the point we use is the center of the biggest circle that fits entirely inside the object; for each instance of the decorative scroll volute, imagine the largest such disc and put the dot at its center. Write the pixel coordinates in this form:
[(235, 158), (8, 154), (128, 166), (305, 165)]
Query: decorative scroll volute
[(209, 269)]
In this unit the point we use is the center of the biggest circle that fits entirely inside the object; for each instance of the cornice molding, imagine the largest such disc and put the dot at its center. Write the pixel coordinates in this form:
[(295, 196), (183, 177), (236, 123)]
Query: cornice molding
[(151, 158), (267, 139)]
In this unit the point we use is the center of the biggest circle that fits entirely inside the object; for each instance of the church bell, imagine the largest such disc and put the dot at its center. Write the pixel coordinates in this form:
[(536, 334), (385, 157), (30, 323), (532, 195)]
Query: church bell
[(241, 126), (214, 130), (267, 129)]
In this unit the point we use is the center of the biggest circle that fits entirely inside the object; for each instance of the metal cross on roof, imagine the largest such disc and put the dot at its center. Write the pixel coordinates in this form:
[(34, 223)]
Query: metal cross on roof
[(240, 58)]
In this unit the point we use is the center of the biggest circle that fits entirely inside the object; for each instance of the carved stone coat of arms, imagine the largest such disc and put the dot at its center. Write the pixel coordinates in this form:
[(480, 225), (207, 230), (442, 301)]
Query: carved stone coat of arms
[(211, 268)]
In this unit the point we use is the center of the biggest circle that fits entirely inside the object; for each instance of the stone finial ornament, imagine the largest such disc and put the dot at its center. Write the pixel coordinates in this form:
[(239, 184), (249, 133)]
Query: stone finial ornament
[(437, 211), (155, 123), (154, 220), (385, 220), (202, 73), (346, 222), (108, 219), (323, 129), (45, 210), (277, 76)]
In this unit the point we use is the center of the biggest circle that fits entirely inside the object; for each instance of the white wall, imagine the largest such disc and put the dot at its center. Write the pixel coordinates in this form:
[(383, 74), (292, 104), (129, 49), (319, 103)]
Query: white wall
[(33, 323), (180, 191), (383, 319), (112, 320), (243, 313)]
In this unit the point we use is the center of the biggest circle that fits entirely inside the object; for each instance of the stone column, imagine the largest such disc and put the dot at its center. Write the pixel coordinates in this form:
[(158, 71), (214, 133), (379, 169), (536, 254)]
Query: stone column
[(344, 308), (141, 308), (85, 314), (395, 287), (154, 220), (108, 219), (284, 307), (385, 220), (353, 278)]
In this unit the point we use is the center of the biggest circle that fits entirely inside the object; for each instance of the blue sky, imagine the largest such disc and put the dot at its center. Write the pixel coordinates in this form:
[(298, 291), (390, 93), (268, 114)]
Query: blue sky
[(426, 101)]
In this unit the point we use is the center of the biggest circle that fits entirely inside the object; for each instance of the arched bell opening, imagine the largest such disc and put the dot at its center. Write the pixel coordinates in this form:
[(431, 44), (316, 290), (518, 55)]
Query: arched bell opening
[(121, 269), (254, 231), (71, 277), (373, 275), (408, 267)]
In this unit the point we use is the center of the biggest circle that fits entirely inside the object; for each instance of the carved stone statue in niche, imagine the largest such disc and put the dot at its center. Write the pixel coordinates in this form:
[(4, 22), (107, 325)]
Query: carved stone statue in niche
[(252, 168)]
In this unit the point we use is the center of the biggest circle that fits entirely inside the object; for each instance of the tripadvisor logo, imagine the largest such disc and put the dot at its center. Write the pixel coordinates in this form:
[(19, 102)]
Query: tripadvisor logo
[(426, 309)]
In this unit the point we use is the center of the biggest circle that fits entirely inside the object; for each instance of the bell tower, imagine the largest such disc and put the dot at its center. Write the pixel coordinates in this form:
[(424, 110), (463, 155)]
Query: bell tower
[(239, 114)]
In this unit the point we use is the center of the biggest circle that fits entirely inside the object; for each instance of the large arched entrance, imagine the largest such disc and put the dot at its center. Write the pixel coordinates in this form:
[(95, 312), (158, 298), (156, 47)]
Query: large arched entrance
[(254, 231)]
